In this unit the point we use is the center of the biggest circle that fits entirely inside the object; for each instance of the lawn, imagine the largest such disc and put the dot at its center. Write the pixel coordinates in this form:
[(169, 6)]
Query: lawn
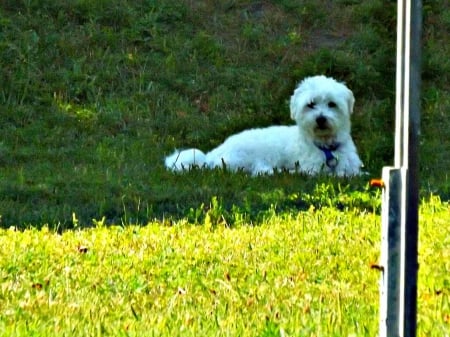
[(98, 238), (296, 274)]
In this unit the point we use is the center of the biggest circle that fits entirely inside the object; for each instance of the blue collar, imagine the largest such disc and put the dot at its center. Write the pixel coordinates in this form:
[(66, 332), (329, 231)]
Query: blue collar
[(330, 159)]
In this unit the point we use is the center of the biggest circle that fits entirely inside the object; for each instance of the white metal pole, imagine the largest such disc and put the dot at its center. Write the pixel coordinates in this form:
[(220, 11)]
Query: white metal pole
[(411, 158), (399, 83), (399, 266)]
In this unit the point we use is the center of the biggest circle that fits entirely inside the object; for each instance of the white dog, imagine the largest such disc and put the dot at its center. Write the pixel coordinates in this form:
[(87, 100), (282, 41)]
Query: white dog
[(320, 142)]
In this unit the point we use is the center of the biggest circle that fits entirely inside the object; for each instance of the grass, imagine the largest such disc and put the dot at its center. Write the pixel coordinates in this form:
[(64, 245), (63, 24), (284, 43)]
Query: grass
[(97, 93), (94, 94), (212, 280)]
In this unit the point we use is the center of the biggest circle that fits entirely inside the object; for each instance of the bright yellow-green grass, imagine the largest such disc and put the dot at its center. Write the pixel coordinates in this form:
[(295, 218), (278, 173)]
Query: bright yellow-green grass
[(297, 274)]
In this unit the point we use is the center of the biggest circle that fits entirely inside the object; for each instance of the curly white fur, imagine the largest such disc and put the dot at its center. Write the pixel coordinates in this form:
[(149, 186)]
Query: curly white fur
[(320, 142)]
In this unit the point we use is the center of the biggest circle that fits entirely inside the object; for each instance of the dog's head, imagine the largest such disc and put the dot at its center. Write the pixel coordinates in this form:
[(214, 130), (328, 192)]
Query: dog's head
[(322, 107)]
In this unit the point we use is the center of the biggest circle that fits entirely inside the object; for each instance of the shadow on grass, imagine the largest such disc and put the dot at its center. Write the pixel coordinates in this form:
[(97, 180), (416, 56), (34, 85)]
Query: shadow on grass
[(199, 197)]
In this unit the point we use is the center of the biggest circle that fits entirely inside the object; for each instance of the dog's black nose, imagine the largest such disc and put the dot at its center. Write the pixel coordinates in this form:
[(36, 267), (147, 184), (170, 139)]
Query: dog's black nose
[(321, 122)]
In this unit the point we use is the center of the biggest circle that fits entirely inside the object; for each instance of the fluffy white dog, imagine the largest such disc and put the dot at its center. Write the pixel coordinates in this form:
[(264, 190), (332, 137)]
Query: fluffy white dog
[(320, 142)]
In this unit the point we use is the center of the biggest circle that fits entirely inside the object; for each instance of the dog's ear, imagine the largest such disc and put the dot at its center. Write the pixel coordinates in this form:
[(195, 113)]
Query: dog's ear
[(350, 101), (298, 103)]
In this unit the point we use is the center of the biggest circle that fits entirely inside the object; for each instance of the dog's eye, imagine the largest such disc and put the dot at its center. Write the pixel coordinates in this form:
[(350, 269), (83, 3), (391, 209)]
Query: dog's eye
[(311, 105), (332, 104)]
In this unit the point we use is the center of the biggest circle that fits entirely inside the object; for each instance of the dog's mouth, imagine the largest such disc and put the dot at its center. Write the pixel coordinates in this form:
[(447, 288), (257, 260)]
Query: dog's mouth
[(324, 136), (322, 129)]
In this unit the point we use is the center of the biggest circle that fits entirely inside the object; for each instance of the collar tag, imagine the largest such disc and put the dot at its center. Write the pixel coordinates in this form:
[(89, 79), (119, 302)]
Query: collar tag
[(330, 159)]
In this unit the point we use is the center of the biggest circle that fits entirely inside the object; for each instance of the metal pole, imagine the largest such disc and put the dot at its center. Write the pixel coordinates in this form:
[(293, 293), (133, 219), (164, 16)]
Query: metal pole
[(411, 131), (399, 83), (398, 283), (390, 253)]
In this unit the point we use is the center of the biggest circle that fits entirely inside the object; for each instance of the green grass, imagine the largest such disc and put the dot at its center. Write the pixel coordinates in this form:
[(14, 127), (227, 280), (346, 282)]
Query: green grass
[(307, 274), (94, 94)]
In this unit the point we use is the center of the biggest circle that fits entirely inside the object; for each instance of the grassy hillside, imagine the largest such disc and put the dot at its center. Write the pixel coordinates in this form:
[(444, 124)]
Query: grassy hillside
[(93, 94)]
